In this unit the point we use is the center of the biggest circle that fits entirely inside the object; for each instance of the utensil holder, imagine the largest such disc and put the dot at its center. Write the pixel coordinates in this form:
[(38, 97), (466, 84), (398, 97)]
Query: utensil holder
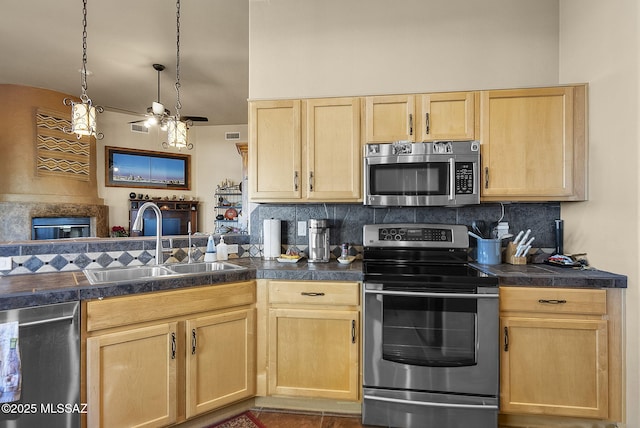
[(489, 252), (510, 255)]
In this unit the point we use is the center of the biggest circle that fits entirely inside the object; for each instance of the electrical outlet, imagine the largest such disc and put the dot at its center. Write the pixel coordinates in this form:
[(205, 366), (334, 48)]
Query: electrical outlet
[(5, 263), (302, 228), (232, 248)]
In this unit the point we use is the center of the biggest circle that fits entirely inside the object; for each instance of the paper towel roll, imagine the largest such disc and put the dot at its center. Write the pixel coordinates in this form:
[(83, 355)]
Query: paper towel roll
[(271, 238)]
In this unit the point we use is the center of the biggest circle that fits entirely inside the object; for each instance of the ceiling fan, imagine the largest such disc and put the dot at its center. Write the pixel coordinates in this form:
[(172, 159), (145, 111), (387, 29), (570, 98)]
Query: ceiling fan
[(157, 114)]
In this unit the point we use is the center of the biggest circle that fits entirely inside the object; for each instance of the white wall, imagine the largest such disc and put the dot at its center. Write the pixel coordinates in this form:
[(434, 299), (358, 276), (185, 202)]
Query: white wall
[(600, 44), (212, 160), (360, 47)]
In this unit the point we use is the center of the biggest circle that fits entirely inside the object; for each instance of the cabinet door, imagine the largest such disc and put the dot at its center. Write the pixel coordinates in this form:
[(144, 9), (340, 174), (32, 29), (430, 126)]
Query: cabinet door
[(220, 367), (390, 118), (446, 116), (131, 377), (554, 367), (332, 149), (530, 149), (274, 150), (314, 353)]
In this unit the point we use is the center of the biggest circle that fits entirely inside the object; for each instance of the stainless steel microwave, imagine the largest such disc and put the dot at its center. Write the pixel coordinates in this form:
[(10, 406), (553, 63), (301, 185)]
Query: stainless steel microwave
[(440, 173)]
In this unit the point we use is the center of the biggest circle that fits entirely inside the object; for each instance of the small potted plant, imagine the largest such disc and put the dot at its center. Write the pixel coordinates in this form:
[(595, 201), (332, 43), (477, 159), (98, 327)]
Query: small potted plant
[(118, 232)]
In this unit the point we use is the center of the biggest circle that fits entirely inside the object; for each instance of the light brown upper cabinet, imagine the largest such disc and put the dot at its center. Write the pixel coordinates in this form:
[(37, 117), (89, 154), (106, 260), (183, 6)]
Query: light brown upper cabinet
[(305, 150), (423, 117), (534, 144)]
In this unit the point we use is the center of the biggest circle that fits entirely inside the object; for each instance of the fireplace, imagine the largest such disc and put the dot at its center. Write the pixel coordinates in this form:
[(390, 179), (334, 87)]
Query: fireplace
[(60, 227), (19, 219)]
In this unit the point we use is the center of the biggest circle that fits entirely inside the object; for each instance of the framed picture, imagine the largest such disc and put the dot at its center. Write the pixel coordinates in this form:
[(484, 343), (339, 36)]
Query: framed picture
[(142, 168)]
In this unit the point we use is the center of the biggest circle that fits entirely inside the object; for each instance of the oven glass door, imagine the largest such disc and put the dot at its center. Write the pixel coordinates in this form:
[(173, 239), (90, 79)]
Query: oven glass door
[(434, 332), (431, 339)]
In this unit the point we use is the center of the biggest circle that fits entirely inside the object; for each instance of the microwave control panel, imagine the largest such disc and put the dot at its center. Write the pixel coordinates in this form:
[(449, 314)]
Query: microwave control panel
[(464, 178)]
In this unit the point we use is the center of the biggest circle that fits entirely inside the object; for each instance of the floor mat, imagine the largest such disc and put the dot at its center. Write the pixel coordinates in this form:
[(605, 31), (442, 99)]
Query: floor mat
[(243, 420)]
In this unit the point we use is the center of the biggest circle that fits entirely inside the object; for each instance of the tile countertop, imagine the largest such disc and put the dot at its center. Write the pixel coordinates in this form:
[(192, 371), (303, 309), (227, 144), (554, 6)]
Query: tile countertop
[(542, 275), (41, 289)]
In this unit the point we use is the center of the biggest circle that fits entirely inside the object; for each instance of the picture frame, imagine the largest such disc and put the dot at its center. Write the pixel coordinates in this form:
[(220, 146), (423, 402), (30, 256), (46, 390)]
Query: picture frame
[(125, 167)]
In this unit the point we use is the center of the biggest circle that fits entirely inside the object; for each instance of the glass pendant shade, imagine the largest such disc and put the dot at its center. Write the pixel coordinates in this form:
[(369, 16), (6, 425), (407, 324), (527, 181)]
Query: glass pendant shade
[(83, 119), (177, 133)]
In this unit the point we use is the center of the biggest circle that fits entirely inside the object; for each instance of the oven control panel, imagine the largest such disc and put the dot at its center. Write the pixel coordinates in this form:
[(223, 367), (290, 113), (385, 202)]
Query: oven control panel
[(418, 235), (415, 234)]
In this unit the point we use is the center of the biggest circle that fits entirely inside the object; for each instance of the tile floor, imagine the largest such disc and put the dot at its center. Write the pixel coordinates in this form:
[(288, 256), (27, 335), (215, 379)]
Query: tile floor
[(291, 419)]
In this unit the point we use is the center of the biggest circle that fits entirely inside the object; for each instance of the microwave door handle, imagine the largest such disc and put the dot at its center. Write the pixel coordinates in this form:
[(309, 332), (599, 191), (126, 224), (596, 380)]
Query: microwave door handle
[(452, 179)]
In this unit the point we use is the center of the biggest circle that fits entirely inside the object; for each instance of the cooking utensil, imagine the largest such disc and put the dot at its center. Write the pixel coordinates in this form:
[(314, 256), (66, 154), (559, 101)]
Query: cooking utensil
[(474, 235)]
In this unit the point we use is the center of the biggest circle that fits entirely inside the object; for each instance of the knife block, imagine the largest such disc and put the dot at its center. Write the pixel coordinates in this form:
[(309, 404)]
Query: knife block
[(510, 255)]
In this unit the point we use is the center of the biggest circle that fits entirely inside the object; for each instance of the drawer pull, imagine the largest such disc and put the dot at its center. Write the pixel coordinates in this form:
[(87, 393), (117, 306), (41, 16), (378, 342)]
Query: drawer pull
[(552, 301), (311, 294), (173, 346), (506, 339)]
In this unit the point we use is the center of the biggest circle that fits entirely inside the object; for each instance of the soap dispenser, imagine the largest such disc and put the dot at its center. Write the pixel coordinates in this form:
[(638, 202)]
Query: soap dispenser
[(222, 250), (210, 254)]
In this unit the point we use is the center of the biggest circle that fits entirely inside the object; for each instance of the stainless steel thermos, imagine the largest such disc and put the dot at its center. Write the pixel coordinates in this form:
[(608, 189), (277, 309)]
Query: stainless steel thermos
[(318, 240)]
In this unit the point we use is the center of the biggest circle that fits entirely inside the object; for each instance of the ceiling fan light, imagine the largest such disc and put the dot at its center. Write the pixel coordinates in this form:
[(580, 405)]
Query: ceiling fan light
[(151, 121), (157, 108)]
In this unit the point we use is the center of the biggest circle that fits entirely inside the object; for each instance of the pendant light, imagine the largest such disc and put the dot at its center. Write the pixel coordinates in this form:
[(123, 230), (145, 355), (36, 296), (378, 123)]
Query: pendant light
[(176, 128), (83, 113)]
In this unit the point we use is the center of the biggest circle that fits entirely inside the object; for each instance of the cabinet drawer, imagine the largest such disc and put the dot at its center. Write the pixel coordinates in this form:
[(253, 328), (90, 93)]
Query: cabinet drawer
[(314, 292), (127, 310), (553, 300)]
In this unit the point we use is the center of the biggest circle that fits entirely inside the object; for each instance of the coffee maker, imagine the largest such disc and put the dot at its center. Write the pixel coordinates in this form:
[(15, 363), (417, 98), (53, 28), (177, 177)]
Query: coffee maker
[(318, 241)]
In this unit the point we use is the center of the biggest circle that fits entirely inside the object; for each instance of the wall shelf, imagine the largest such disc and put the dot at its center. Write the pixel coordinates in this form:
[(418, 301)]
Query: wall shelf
[(176, 216)]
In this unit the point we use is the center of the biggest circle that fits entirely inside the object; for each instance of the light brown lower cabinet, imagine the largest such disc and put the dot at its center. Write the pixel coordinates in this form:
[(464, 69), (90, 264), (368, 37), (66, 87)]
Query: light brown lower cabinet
[(157, 359), (559, 355), (314, 339)]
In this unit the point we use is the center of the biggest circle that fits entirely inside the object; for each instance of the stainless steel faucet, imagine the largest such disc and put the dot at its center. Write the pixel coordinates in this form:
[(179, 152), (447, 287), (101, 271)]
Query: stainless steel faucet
[(138, 223)]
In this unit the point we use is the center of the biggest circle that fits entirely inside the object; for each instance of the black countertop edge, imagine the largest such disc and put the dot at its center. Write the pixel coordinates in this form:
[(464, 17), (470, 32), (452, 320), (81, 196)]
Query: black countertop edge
[(43, 289)]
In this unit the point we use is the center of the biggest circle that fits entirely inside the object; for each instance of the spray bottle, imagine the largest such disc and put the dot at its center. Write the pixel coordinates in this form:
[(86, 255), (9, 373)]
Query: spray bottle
[(210, 254)]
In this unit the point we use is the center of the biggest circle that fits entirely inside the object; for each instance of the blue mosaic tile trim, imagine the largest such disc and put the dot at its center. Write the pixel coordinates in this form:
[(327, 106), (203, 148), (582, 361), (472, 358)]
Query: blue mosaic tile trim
[(31, 258)]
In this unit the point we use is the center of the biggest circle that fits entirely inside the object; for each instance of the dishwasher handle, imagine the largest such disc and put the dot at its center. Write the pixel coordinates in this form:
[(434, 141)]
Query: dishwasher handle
[(47, 321)]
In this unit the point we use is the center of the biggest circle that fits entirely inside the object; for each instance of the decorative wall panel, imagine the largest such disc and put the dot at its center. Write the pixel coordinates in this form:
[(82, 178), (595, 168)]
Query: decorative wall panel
[(59, 153)]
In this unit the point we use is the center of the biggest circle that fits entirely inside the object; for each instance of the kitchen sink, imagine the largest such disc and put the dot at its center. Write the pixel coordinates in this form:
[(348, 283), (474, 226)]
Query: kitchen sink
[(102, 276), (204, 267), (121, 274)]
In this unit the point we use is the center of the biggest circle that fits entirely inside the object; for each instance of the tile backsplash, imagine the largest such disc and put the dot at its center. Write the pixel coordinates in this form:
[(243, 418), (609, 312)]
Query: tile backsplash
[(345, 220)]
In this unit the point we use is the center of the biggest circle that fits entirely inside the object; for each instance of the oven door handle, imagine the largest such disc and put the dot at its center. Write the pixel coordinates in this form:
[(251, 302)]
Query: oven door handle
[(432, 404), (423, 294)]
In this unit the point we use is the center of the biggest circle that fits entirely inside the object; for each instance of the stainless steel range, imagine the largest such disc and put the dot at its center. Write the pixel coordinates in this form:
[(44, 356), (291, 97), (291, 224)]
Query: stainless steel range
[(431, 330)]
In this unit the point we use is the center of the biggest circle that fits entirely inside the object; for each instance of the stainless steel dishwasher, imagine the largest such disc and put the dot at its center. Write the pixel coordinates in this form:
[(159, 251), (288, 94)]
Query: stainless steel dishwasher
[(49, 345)]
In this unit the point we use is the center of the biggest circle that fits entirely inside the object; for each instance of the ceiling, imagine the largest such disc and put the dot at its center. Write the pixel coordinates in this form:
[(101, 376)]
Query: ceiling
[(41, 46)]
